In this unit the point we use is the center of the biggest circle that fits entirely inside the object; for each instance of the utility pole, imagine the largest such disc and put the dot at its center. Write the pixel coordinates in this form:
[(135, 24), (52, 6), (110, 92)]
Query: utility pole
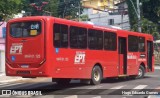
[(79, 11), (138, 13), (139, 16)]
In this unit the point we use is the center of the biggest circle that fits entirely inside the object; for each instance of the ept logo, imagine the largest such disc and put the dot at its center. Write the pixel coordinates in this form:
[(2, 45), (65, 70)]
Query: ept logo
[(79, 58), (16, 48)]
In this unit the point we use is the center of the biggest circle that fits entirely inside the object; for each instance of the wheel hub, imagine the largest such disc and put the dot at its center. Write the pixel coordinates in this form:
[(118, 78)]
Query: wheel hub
[(139, 73), (96, 75)]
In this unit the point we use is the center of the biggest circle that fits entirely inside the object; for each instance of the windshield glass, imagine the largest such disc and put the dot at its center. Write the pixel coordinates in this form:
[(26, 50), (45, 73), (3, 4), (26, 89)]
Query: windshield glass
[(25, 29)]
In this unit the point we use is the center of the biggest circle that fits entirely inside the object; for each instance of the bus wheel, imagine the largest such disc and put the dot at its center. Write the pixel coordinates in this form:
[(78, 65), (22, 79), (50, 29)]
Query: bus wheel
[(63, 81), (96, 75), (141, 72)]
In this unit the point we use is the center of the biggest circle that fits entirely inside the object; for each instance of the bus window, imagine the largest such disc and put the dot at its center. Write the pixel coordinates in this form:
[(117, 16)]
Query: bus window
[(95, 39), (132, 43), (60, 36), (78, 37), (141, 44), (25, 29), (110, 41)]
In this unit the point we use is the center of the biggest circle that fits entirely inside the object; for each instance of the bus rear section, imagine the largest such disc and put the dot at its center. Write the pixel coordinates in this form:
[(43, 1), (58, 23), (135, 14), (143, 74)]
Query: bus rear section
[(25, 48)]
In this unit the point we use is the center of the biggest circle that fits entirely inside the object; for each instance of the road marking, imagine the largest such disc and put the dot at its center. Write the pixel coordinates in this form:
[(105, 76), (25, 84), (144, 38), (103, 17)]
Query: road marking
[(118, 87), (112, 89), (7, 84), (73, 96), (3, 84), (157, 88), (153, 96), (89, 89), (5, 96), (140, 87), (94, 87), (97, 97), (24, 96), (153, 75), (157, 67)]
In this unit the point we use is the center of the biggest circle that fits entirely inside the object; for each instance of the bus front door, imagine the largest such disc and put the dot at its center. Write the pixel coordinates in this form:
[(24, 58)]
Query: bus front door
[(122, 46)]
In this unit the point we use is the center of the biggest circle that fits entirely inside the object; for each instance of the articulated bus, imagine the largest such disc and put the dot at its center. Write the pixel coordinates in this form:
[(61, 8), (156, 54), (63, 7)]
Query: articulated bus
[(42, 46)]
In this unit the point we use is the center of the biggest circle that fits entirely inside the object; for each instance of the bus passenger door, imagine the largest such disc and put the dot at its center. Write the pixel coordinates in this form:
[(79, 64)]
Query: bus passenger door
[(149, 54), (122, 47)]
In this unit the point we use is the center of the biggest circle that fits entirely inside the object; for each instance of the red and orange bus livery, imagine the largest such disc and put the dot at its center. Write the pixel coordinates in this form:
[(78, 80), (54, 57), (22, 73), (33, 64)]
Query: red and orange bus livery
[(41, 46)]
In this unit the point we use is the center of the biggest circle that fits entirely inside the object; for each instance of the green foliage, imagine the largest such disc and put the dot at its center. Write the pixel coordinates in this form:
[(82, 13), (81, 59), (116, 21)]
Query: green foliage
[(131, 12), (69, 8), (26, 6), (148, 27), (84, 18), (150, 10), (57, 8), (52, 7), (9, 7)]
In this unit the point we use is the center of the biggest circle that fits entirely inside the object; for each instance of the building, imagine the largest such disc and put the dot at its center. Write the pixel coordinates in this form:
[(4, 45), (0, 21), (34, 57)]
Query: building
[(2, 46), (98, 4), (115, 13)]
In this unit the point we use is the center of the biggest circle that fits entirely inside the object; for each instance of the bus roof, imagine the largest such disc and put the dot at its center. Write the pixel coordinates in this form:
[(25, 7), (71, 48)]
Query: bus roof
[(81, 24)]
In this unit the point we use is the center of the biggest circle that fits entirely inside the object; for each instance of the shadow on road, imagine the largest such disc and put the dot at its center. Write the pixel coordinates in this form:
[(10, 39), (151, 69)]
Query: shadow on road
[(69, 89)]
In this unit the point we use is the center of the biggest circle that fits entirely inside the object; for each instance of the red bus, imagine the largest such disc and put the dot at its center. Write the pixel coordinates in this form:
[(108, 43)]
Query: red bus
[(41, 46)]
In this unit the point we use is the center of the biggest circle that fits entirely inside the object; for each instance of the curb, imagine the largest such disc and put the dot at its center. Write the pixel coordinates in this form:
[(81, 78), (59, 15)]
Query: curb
[(156, 67), (3, 74)]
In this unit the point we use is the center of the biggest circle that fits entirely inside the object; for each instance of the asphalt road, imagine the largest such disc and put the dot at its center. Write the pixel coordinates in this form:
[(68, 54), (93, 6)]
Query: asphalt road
[(109, 88)]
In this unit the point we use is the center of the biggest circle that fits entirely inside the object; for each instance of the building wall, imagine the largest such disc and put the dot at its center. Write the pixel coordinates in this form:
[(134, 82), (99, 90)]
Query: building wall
[(2, 61), (119, 16), (2, 46), (98, 4)]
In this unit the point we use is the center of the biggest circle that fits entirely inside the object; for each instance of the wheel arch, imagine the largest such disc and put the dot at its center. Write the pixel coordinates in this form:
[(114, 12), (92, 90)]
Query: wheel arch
[(143, 65)]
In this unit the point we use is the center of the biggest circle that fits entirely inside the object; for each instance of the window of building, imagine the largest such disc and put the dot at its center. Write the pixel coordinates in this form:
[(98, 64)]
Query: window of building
[(78, 37), (141, 44), (132, 43), (95, 39), (110, 41), (60, 36)]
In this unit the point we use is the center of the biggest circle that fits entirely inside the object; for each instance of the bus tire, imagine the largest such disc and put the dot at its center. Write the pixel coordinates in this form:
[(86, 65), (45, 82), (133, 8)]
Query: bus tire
[(141, 72), (96, 75), (63, 81)]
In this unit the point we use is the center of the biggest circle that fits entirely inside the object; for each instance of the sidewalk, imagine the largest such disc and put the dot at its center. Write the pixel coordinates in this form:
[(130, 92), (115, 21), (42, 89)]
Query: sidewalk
[(6, 79)]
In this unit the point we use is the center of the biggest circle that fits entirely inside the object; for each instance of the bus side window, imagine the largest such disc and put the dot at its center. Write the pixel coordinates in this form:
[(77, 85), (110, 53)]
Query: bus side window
[(110, 41), (95, 39), (78, 37), (60, 36), (132, 43), (142, 44)]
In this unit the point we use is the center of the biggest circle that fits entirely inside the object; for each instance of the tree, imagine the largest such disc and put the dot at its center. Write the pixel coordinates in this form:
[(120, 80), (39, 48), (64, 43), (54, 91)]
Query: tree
[(9, 7), (69, 9), (52, 7), (84, 18), (26, 6), (150, 12)]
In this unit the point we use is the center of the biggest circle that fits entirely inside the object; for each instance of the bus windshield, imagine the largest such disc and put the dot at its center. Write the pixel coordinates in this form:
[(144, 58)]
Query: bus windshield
[(25, 29)]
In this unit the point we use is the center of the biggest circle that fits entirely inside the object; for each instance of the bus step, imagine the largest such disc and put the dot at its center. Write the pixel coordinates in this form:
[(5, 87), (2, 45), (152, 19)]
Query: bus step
[(122, 75)]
